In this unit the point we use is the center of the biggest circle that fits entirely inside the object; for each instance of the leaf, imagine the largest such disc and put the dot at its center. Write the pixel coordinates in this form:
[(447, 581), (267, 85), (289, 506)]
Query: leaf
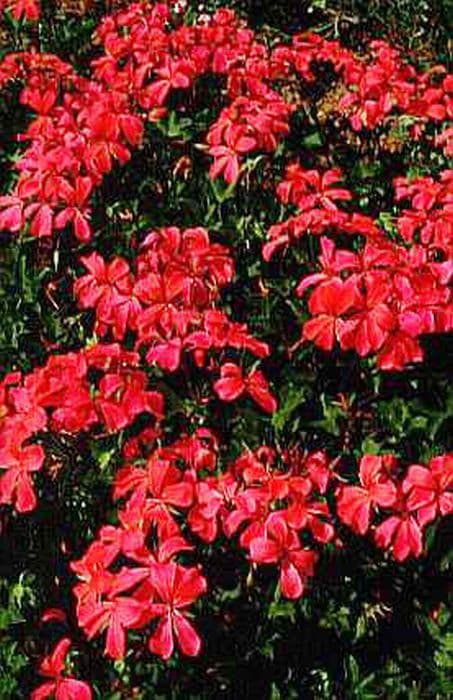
[(295, 398), (221, 190), (370, 446), (282, 609), (313, 140), (275, 693)]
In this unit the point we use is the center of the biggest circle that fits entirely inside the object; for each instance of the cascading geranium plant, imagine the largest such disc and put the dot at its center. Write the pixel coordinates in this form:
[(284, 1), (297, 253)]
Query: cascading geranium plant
[(161, 323)]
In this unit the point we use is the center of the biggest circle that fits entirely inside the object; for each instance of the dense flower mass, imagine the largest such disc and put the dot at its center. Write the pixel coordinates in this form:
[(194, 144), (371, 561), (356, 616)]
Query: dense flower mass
[(412, 501), (78, 136), (168, 300), (61, 397), (382, 296), (175, 494), (162, 315), (272, 502)]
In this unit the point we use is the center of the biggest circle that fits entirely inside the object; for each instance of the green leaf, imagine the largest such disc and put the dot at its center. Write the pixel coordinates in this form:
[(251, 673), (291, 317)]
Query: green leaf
[(294, 398), (282, 609), (313, 140)]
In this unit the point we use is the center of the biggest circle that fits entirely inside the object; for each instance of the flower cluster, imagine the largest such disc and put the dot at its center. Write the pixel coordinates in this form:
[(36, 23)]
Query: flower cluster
[(277, 509), (169, 303), (246, 126), (429, 220), (380, 299), (377, 287), (375, 86), (388, 84), (130, 578), (82, 130), (99, 387), (83, 126), (405, 505), (314, 194), (151, 587), (60, 685)]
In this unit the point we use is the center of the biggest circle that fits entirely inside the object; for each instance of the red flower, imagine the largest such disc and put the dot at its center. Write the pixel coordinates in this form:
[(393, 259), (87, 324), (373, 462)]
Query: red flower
[(115, 615), (429, 491), (108, 288), (319, 468), (400, 350), (175, 588), (211, 499), (327, 303), (173, 74), (226, 157), (122, 397), (368, 329), (310, 188), (61, 687), (332, 262), (281, 544), (76, 211), (355, 503), (11, 214), (157, 491), (232, 384), (30, 9), (401, 534), (16, 485)]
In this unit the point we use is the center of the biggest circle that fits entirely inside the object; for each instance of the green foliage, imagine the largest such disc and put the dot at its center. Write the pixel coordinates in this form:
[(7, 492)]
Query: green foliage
[(17, 600)]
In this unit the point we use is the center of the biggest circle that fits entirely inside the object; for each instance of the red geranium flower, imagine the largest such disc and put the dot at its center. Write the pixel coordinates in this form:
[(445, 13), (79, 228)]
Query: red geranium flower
[(429, 490), (232, 384), (61, 687), (175, 588), (355, 503), (281, 544)]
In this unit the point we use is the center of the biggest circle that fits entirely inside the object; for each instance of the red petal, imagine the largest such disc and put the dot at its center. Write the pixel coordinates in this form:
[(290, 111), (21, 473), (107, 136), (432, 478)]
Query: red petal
[(115, 643), (290, 581), (53, 665), (264, 551), (161, 642), (188, 639), (53, 614), (72, 689), (384, 533), (25, 494), (231, 384), (320, 330), (258, 388), (44, 691)]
